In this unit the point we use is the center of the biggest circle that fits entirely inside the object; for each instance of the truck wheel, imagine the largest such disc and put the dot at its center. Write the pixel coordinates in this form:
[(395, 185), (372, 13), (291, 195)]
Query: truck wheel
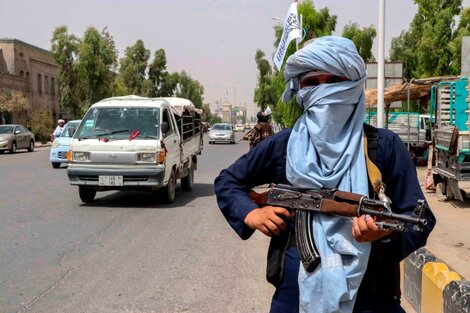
[(55, 164), (167, 193), (87, 195), (188, 181)]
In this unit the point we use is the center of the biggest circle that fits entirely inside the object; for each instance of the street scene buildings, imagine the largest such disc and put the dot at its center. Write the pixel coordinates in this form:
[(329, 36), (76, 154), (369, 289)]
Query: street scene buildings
[(32, 71)]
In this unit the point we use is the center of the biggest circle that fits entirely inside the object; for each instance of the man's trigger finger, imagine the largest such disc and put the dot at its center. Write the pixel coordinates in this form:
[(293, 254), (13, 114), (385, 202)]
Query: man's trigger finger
[(282, 211)]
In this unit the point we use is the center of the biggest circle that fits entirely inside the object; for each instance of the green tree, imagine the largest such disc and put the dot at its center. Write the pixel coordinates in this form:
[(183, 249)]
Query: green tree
[(14, 102), (362, 38), (161, 83), (133, 67), (97, 59), (455, 46), (65, 50), (189, 88), (271, 82), (264, 94), (427, 49), (41, 125)]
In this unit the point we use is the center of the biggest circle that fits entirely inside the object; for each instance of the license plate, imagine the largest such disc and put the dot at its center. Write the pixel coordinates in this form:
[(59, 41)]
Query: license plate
[(110, 181)]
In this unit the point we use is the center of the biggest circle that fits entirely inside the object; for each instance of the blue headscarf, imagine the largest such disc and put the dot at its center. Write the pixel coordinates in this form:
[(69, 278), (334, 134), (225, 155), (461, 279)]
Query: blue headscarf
[(326, 149)]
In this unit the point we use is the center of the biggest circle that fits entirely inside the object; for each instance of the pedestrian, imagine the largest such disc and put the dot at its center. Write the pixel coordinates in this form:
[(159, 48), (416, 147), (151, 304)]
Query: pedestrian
[(359, 268), (59, 129), (261, 130)]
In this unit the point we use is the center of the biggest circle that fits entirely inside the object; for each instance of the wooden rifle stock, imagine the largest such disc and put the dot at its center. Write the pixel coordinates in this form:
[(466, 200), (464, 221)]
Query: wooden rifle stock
[(333, 202)]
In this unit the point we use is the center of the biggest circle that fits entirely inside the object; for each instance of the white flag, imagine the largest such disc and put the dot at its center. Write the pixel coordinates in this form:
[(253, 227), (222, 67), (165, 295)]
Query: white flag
[(291, 30), (268, 111)]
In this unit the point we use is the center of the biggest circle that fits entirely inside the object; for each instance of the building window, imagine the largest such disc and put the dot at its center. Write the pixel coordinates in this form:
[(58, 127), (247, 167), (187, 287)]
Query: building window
[(39, 83), (46, 84), (21, 73), (53, 86)]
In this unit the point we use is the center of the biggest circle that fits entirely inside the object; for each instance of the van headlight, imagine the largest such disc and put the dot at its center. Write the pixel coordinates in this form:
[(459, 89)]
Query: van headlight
[(80, 156), (146, 157), (55, 144)]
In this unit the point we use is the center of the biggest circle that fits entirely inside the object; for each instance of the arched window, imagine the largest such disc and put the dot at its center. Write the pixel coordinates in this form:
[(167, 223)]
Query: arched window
[(53, 86)]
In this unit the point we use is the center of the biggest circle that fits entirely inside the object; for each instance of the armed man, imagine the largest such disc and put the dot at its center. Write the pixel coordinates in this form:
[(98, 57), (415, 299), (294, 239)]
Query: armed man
[(325, 158)]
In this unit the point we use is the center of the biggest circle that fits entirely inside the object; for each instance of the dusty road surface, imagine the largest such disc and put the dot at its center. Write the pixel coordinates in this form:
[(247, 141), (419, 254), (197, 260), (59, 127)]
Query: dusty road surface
[(450, 239)]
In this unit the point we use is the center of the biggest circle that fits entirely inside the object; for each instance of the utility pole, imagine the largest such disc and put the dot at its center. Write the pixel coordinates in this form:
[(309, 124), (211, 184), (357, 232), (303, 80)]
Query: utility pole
[(381, 66)]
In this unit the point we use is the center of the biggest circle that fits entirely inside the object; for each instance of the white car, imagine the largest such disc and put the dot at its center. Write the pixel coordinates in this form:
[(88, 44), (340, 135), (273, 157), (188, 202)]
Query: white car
[(239, 127), (60, 145), (221, 132)]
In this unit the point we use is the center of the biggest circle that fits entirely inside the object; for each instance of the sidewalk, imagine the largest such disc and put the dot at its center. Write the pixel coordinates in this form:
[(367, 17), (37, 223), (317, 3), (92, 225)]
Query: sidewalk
[(39, 144)]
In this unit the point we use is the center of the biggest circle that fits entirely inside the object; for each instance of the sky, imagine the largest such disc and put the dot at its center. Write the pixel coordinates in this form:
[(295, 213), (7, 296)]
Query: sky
[(214, 41)]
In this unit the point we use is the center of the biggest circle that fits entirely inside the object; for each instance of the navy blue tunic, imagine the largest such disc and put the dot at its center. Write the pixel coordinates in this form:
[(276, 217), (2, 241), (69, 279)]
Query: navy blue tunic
[(266, 163)]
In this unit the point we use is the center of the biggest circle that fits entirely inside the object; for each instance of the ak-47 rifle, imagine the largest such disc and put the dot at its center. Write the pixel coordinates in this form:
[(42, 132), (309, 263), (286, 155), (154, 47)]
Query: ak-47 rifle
[(334, 202)]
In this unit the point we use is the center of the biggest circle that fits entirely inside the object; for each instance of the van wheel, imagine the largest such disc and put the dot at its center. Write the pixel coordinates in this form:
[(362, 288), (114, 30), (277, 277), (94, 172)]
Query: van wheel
[(168, 193), (87, 195), (187, 182), (55, 164), (31, 146)]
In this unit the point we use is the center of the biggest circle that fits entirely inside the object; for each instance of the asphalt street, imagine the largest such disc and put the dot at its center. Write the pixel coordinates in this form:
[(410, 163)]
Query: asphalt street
[(129, 253)]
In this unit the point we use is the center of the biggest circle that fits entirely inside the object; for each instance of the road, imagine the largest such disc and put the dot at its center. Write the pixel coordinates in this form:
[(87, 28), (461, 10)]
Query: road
[(126, 252)]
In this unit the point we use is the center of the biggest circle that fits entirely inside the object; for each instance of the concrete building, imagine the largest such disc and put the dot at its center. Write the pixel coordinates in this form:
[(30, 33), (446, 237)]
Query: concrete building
[(227, 113), (33, 71)]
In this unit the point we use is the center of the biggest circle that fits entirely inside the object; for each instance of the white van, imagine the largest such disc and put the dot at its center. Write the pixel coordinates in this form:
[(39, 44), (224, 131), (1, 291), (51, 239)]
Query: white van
[(138, 143)]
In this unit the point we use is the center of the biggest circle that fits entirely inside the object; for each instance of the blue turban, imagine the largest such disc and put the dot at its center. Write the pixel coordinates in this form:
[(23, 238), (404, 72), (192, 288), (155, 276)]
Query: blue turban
[(326, 149)]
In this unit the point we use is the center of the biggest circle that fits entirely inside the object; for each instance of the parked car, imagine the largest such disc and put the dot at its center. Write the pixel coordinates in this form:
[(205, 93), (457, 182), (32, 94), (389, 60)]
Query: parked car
[(221, 132), (239, 127), (247, 126), (60, 145), (14, 137)]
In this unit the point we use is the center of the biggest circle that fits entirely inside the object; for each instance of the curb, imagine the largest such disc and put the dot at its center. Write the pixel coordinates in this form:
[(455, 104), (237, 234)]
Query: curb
[(431, 287), (42, 145)]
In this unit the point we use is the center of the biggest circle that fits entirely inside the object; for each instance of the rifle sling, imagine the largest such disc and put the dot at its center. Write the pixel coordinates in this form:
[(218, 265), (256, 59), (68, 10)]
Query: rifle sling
[(375, 177)]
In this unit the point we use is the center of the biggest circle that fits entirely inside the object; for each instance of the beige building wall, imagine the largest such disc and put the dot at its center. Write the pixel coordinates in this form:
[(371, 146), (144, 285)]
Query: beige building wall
[(33, 71)]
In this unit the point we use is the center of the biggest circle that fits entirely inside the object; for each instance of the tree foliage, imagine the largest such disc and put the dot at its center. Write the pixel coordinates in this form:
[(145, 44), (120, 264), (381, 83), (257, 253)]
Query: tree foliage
[(65, 50), (189, 88), (430, 47), (15, 102), (41, 124), (97, 58), (271, 82), (363, 38), (86, 65), (133, 67), (161, 82)]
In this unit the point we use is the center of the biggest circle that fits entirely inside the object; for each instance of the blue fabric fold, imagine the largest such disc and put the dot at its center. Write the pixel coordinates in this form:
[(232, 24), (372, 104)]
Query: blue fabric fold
[(326, 149)]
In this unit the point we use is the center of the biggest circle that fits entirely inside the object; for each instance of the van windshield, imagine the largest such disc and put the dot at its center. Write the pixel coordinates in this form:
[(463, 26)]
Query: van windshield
[(140, 123)]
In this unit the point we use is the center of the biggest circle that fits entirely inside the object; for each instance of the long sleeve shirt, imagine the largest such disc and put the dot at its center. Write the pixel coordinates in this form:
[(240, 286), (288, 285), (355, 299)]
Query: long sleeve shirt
[(267, 164)]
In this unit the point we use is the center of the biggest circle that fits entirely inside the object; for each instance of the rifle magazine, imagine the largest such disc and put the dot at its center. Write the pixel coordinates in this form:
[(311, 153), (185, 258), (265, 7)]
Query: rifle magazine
[(309, 255)]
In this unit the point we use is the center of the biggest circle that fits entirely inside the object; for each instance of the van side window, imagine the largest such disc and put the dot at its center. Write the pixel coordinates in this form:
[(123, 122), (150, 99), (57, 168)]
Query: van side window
[(166, 118)]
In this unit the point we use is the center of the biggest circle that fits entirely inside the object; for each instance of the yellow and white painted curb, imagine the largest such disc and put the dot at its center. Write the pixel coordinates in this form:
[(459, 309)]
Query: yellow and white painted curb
[(431, 287)]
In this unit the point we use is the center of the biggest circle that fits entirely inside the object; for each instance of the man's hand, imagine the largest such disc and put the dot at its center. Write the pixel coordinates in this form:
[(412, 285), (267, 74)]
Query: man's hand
[(268, 220), (364, 229)]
